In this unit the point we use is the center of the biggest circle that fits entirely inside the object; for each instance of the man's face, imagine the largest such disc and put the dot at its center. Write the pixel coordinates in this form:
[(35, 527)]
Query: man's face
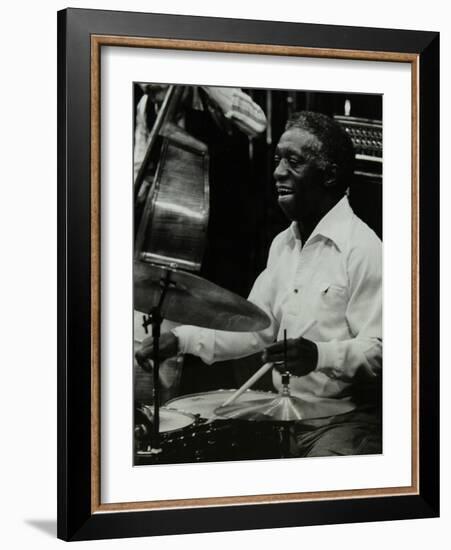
[(298, 174)]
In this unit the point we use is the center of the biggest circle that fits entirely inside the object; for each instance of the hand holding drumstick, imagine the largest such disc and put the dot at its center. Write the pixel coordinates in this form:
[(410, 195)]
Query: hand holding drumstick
[(275, 352), (301, 354)]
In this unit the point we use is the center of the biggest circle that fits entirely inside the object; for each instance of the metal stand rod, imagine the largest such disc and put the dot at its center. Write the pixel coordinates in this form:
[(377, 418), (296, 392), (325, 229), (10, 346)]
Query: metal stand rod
[(156, 332), (156, 328), (285, 429), (285, 440)]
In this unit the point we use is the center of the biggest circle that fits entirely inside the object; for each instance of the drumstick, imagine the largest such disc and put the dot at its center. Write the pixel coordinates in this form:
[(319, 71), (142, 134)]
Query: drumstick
[(261, 371)]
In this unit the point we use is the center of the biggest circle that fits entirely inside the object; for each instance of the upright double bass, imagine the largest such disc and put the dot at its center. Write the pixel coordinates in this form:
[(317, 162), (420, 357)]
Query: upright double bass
[(172, 228)]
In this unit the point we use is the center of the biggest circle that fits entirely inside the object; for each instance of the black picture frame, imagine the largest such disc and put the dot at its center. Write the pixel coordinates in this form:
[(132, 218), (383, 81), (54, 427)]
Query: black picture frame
[(78, 516)]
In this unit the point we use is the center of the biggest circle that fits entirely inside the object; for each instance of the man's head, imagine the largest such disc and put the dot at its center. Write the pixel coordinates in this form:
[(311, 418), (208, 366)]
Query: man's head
[(314, 164)]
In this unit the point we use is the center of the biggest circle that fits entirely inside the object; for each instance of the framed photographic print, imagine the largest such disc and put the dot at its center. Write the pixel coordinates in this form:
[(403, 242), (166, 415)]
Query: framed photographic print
[(248, 274)]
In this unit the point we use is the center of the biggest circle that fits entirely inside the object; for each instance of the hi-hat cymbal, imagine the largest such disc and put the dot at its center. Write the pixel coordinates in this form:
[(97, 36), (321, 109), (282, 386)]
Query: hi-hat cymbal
[(192, 300), (283, 408)]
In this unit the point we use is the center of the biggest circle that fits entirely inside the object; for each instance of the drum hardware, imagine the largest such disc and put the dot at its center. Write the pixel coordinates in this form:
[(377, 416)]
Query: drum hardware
[(217, 432), (203, 435), (205, 404), (230, 438), (264, 369), (173, 424), (156, 320), (205, 441), (190, 299), (283, 408), (184, 297)]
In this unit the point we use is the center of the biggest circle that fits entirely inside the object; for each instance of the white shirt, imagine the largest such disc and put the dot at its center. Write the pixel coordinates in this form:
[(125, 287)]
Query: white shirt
[(334, 279)]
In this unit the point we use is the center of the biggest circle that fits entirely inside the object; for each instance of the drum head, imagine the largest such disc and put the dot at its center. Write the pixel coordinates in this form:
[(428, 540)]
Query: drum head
[(172, 420), (204, 404)]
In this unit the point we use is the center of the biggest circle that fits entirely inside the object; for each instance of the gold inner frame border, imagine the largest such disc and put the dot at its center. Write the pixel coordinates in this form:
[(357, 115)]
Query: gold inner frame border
[(97, 41)]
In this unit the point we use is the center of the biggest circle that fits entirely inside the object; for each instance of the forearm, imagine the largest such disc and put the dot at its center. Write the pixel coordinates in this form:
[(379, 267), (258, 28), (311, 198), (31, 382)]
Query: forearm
[(239, 108), (216, 345), (342, 360)]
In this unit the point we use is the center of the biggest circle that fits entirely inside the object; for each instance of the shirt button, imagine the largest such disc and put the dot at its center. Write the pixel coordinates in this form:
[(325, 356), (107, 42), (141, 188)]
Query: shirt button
[(296, 290)]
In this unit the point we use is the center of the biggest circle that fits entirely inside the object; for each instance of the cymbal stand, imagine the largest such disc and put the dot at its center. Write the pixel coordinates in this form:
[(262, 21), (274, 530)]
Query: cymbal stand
[(155, 319), (285, 427)]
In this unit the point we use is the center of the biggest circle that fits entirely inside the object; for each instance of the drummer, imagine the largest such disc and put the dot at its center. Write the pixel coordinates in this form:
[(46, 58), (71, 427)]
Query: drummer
[(326, 267)]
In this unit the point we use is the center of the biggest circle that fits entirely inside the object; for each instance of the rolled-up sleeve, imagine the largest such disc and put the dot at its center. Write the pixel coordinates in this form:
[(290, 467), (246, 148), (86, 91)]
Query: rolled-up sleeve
[(239, 108)]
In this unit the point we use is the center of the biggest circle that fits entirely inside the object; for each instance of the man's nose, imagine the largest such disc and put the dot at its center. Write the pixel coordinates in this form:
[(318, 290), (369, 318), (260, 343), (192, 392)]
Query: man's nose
[(280, 172)]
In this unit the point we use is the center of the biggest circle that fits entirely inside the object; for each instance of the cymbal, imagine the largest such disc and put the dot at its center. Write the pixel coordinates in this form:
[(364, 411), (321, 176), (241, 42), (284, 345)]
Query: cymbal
[(192, 300), (283, 408)]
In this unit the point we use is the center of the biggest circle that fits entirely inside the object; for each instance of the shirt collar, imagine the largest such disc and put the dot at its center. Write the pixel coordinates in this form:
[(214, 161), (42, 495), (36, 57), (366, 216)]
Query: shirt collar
[(334, 225)]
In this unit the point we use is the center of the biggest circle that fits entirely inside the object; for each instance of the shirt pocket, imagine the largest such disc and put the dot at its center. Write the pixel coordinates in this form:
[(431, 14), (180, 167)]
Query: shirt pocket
[(331, 304)]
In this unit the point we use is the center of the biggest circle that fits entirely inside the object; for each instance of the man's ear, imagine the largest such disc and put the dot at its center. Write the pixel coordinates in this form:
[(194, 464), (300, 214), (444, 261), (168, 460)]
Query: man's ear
[(330, 176)]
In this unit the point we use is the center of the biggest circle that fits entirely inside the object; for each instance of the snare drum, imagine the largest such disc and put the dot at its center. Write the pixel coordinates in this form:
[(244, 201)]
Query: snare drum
[(172, 424), (221, 439), (204, 405), (191, 432)]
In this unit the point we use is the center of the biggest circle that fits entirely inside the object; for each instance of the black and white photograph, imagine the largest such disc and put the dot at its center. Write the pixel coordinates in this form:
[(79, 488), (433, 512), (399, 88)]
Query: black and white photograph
[(257, 273)]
